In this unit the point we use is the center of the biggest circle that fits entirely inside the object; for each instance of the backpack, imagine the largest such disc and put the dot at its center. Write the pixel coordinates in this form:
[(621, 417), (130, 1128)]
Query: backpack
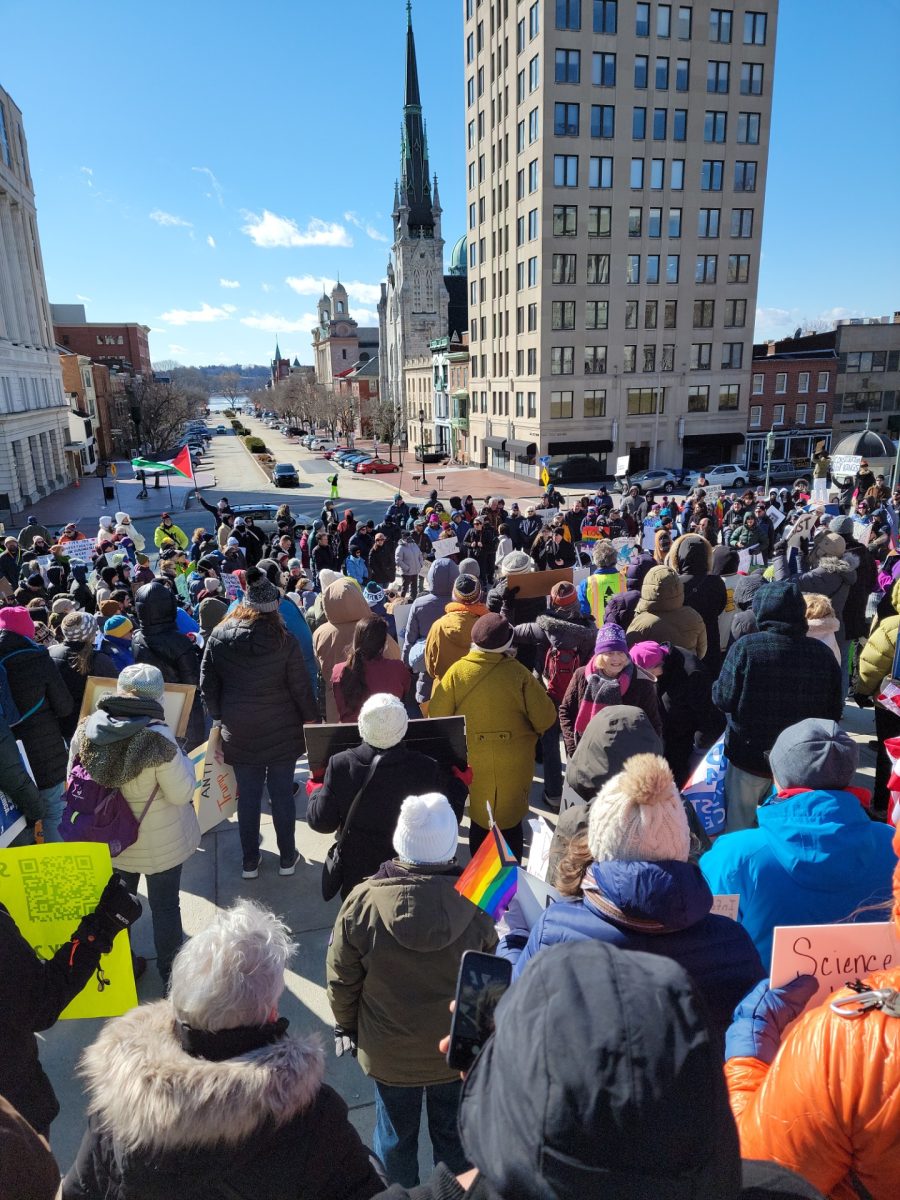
[(560, 665), (94, 813)]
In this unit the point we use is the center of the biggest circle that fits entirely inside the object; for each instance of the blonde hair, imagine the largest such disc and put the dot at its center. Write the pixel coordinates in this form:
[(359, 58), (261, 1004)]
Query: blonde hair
[(818, 606)]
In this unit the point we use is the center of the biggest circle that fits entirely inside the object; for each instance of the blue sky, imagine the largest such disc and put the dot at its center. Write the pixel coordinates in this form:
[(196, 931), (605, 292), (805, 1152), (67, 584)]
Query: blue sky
[(202, 167)]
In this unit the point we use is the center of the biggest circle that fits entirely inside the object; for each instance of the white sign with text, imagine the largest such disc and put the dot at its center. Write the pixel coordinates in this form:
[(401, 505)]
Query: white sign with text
[(835, 954)]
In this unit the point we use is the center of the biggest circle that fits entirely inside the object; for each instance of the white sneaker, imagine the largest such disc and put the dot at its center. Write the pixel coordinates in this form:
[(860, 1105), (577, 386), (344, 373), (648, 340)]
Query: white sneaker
[(287, 865)]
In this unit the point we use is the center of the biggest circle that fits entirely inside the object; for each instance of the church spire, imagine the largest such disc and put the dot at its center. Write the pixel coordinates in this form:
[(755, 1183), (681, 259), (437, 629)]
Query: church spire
[(414, 169)]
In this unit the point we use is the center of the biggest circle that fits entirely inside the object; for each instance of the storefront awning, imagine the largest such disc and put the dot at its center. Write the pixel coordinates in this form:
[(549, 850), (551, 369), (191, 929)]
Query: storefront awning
[(597, 446), (494, 443), (521, 449), (713, 439)]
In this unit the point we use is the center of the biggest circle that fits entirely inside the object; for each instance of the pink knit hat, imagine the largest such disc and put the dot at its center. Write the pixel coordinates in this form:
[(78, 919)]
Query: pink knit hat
[(648, 654), (17, 620)]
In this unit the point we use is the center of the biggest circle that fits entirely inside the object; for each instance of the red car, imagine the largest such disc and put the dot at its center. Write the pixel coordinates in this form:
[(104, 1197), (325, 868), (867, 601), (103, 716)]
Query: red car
[(376, 466)]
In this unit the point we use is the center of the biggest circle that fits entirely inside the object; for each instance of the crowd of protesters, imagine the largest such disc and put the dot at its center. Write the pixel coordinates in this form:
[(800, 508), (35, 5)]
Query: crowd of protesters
[(669, 625)]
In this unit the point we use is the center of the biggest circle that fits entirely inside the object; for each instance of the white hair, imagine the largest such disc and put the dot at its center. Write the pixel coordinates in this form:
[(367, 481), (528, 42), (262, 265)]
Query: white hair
[(232, 973)]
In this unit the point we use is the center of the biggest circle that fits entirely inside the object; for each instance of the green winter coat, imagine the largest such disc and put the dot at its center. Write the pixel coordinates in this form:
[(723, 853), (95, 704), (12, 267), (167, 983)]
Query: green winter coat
[(877, 658), (506, 709), (661, 615), (392, 967)]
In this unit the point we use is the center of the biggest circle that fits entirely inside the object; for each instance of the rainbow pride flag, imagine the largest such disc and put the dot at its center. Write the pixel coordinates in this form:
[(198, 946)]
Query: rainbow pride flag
[(490, 878)]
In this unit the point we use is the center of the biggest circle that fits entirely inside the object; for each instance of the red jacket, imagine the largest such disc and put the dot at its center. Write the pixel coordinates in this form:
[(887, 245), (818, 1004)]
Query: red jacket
[(382, 675)]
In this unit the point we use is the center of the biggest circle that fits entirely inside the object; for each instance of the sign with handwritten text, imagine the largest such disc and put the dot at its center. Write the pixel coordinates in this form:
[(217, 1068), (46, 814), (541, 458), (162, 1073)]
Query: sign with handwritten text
[(835, 954)]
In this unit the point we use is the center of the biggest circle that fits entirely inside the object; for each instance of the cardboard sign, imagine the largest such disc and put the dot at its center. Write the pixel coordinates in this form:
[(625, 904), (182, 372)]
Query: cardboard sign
[(622, 464), (178, 700), (546, 514), (539, 852), (862, 531), (48, 889), (845, 464), (534, 895), (713, 492), (591, 533), (726, 906), (706, 789), (11, 821), (775, 515), (79, 551), (444, 547), (835, 954), (442, 738), (215, 796), (540, 583), (803, 527)]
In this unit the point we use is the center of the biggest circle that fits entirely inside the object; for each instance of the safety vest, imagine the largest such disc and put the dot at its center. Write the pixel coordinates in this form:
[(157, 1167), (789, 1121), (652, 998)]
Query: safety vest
[(598, 589)]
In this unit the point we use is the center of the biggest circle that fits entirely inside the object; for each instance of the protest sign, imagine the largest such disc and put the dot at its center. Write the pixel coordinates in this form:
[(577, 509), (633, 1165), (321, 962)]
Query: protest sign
[(442, 738), (539, 851), (400, 613), (183, 588), (749, 560), (802, 528), (232, 586), (726, 906), (546, 514), (862, 531), (622, 463), (705, 789), (580, 574), (835, 954), (713, 492), (591, 533), (48, 889), (845, 464), (11, 821), (444, 547), (533, 895), (82, 551), (648, 536), (775, 515), (178, 700), (215, 796), (539, 583)]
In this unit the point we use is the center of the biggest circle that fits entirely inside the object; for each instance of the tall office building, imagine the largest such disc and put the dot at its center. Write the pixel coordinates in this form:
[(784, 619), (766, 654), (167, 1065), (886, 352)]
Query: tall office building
[(616, 165)]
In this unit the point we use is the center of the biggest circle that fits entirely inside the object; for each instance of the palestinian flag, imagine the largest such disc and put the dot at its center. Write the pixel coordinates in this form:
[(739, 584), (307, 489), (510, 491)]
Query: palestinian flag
[(181, 464)]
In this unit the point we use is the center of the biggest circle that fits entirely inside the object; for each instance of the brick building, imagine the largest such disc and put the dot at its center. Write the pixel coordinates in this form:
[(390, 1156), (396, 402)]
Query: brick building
[(120, 347), (792, 392)]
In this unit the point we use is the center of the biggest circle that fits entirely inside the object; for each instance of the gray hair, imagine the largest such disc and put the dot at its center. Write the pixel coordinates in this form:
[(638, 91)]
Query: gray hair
[(604, 554), (232, 973)]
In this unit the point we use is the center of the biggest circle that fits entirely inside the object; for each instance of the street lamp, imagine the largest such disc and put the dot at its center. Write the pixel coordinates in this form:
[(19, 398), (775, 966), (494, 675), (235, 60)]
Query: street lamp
[(422, 443), (770, 446), (399, 432)]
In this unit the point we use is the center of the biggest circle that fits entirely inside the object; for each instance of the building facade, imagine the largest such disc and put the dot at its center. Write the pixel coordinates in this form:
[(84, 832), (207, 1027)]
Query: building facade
[(78, 384), (616, 163), (338, 341), (34, 424), (792, 389), (868, 379), (120, 347)]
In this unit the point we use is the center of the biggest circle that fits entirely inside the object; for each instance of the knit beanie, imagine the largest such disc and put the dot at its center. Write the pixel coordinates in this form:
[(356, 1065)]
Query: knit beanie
[(383, 721), (466, 589), (63, 605), (78, 627), (638, 815), (842, 526), (427, 830), (827, 545), (374, 593), (17, 620), (648, 654), (142, 680), (119, 627), (563, 595), (814, 754), (469, 566), (107, 523), (260, 595), (36, 580), (110, 608), (517, 562), (327, 576), (212, 584), (610, 638), (492, 632)]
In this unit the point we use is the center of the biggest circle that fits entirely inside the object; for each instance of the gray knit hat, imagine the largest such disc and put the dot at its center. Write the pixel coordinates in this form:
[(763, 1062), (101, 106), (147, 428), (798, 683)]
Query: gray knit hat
[(78, 627), (814, 754), (261, 595), (143, 680), (469, 566)]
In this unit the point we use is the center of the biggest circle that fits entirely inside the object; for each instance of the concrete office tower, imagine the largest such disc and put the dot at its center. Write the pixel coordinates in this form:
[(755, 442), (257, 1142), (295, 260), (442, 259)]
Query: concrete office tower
[(34, 415), (616, 166)]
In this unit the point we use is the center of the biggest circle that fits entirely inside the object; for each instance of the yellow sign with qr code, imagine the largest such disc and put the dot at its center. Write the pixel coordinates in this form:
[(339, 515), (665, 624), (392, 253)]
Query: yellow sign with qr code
[(48, 889)]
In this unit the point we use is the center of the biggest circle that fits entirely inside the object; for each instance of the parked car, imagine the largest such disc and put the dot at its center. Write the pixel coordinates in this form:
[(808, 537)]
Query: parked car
[(264, 517), (656, 479), (285, 475), (221, 429), (319, 444), (376, 466), (432, 454), (727, 475), (578, 468), (783, 473), (351, 461)]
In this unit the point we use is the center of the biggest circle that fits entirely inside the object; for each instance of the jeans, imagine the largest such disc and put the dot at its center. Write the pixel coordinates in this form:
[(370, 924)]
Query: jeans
[(52, 804), (398, 1114), (163, 892), (743, 794), (553, 779), (251, 779), (515, 838)]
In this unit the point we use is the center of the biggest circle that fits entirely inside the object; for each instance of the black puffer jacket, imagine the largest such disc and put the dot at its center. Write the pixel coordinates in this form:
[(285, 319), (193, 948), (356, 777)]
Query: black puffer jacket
[(256, 683), (691, 556), (65, 657), (826, 575), (79, 590), (686, 708), (504, 599), (39, 692), (158, 641), (855, 623)]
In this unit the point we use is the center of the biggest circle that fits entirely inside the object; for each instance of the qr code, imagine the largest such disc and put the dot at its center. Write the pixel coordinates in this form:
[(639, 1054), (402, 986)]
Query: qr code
[(61, 888)]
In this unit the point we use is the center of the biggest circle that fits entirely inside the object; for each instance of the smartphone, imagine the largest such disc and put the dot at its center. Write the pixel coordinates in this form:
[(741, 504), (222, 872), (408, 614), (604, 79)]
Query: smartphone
[(483, 978)]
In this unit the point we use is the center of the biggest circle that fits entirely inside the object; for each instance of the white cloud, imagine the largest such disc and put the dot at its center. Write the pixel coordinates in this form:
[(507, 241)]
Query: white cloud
[(87, 172), (275, 323), (229, 283), (229, 308), (166, 218), (368, 229), (210, 241), (266, 287), (216, 193), (309, 285), (365, 316), (270, 230), (776, 323), (200, 316), (83, 299), (176, 349)]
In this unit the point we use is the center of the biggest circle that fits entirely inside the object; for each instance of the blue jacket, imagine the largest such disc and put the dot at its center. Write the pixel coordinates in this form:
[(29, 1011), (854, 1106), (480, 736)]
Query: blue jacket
[(296, 624), (660, 908), (815, 858), (119, 650), (425, 610), (356, 568)]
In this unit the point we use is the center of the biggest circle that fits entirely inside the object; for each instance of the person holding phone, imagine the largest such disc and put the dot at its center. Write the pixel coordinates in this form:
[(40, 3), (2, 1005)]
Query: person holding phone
[(391, 971)]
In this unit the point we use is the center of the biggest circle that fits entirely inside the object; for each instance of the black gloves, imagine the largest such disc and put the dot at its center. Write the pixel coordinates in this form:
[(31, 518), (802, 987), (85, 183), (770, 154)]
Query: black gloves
[(116, 910), (344, 1041)]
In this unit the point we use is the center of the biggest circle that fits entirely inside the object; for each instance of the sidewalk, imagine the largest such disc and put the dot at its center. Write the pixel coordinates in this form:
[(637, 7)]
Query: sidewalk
[(83, 502)]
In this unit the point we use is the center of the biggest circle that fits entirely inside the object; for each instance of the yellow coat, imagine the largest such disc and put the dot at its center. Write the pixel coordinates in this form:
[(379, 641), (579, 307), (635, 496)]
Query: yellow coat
[(506, 709), (450, 637)]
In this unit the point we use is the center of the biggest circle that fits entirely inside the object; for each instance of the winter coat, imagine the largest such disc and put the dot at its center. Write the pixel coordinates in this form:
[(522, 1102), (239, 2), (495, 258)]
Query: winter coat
[(553, 555), (877, 658), (158, 641), (64, 656), (450, 637), (400, 773), (255, 682), (528, 531), (594, 592), (659, 908), (393, 963), (661, 615), (323, 559), (425, 610), (832, 577), (691, 556), (164, 1123), (9, 568), (408, 557), (816, 859), (553, 630), (620, 609), (641, 693), (824, 629), (178, 536), (684, 691), (856, 624), (381, 564), (504, 599), (344, 606), (506, 709), (146, 759), (381, 675), (355, 568), (775, 678), (211, 611), (44, 702), (298, 628)]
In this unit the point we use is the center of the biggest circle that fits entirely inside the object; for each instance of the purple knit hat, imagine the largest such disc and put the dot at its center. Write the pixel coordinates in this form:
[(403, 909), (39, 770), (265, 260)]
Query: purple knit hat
[(609, 639)]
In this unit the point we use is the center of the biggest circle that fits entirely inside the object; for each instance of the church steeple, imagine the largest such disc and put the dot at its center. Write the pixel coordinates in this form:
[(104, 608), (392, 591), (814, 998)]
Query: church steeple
[(415, 181)]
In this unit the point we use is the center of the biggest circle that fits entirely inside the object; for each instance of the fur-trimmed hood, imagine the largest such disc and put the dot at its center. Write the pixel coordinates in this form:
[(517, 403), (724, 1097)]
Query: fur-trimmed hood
[(150, 1096), (116, 763)]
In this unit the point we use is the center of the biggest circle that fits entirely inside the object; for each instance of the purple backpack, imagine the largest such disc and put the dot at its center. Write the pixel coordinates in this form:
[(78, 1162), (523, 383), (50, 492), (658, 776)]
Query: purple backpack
[(94, 813)]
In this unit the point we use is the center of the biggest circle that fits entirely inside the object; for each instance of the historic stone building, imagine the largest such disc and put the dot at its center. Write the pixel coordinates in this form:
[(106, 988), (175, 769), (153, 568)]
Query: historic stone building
[(339, 342)]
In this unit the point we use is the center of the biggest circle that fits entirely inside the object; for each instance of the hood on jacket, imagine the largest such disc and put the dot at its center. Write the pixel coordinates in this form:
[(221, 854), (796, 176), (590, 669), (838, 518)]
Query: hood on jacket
[(746, 588), (79, 571), (636, 571), (344, 602), (725, 560), (420, 906), (822, 839), (565, 630), (661, 591), (821, 627), (779, 608), (611, 738), (836, 566), (156, 607), (655, 897), (56, 577), (441, 577), (114, 760), (690, 555), (603, 1080), (151, 1095)]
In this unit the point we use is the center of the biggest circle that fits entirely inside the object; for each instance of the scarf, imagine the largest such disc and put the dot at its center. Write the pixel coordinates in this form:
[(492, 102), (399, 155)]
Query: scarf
[(600, 692), (121, 717), (218, 1045)]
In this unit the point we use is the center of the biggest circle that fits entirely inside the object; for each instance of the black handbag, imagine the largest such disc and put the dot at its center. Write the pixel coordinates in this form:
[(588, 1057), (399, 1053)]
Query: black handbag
[(333, 867)]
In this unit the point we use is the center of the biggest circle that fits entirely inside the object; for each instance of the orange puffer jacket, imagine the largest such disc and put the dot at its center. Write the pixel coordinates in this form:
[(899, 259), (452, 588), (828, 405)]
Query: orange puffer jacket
[(829, 1105)]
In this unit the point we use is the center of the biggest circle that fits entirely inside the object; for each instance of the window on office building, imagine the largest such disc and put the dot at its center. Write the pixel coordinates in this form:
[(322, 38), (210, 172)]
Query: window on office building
[(711, 175), (595, 402), (704, 314), (652, 269), (603, 121), (562, 314), (568, 14), (565, 220), (568, 66), (650, 313), (606, 14), (629, 359), (599, 220), (701, 356), (751, 79), (735, 314), (565, 171), (742, 222), (641, 402), (649, 358), (595, 360), (732, 355), (561, 405), (738, 268), (717, 77), (708, 222), (698, 398), (672, 266), (729, 396), (748, 129), (596, 314), (745, 176), (654, 222), (600, 172), (563, 267), (632, 268), (754, 29), (714, 126), (720, 25), (566, 119), (603, 69), (597, 268)]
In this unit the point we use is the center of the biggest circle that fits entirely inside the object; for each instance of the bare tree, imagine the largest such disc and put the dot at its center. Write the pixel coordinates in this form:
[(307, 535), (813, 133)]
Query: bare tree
[(159, 410), (385, 424), (230, 385)]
